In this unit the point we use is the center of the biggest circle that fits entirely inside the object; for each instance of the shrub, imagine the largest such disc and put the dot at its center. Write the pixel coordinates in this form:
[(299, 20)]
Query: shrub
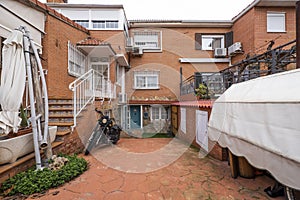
[(36, 181)]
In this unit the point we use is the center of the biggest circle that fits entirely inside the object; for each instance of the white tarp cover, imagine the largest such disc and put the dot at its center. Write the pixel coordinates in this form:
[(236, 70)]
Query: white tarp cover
[(260, 119), (13, 77)]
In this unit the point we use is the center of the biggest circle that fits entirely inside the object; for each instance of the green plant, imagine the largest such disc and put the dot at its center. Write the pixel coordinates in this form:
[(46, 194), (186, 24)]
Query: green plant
[(24, 121), (36, 181), (202, 91)]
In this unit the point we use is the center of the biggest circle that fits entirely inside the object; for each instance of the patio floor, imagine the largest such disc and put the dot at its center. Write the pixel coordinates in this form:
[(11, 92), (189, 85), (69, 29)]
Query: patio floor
[(138, 169)]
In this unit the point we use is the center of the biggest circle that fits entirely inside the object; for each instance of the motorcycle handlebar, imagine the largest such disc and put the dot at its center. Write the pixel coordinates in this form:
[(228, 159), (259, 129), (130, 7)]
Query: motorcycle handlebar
[(99, 111)]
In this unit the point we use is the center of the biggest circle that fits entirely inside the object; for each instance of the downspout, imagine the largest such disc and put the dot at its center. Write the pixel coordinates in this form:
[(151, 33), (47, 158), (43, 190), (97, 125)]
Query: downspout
[(180, 80), (298, 34)]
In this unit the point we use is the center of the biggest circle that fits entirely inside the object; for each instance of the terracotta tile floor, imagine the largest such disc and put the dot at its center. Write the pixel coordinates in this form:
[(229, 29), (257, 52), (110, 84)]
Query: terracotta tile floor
[(158, 168)]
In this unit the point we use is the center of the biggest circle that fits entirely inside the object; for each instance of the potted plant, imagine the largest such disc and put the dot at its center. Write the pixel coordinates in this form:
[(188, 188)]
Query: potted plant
[(201, 91)]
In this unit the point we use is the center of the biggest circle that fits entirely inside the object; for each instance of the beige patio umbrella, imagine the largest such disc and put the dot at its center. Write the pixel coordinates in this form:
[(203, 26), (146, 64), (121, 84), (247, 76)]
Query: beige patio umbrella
[(13, 78)]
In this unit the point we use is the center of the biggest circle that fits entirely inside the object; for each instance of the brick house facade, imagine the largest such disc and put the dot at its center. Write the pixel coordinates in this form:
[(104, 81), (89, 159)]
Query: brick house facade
[(152, 82)]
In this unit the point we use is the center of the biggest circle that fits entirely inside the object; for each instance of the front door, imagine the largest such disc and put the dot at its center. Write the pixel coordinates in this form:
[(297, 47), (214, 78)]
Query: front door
[(135, 117)]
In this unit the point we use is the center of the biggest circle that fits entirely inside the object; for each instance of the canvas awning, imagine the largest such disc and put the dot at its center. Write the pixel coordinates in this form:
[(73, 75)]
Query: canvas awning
[(259, 119), (13, 77)]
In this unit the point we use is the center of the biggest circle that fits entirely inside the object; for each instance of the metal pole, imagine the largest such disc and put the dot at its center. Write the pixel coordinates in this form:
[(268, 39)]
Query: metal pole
[(32, 106), (298, 34)]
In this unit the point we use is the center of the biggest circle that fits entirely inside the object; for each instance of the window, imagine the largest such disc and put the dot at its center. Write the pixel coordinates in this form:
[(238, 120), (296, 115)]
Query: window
[(84, 23), (146, 79), (98, 24), (158, 113), (155, 113), (102, 68), (275, 22), (150, 40), (112, 24), (101, 24), (76, 60), (210, 42)]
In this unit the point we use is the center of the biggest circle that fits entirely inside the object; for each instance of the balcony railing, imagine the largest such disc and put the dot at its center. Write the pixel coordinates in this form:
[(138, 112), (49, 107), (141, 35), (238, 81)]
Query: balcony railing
[(272, 61), (213, 81)]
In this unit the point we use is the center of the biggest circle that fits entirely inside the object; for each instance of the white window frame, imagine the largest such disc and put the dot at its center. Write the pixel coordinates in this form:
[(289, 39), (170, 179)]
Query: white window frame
[(183, 120), (150, 40), (160, 113), (205, 45), (105, 24), (102, 64), (84, 23), (76, 61), (147, 75), (276, 22)]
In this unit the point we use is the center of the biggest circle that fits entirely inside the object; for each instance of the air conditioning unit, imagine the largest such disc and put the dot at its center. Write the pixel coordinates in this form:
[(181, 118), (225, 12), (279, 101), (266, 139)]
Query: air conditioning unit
[(122, 98), (220, 52), (137, 51), (235, 48)]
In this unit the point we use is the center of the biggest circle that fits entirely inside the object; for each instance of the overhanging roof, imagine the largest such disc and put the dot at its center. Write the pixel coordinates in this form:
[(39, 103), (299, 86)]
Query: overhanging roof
[(121, 59), (201, 103), (94, 46)]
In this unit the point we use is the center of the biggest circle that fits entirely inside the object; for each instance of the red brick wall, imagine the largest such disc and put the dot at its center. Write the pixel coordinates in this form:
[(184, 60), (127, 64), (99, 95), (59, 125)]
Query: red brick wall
[(243, 31), (262, 38), (55, 55), (176, 43), (251, 31)]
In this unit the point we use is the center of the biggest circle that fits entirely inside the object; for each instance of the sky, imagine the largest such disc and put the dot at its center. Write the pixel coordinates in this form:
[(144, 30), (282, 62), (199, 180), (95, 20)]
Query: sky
[(176, 9)]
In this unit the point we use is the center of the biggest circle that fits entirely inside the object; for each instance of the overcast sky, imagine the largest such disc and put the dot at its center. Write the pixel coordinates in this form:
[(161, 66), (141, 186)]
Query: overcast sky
[(176, 9)]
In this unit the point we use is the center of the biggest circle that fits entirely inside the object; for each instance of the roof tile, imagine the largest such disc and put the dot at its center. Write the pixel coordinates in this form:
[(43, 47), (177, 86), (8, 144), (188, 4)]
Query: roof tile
[(90, 41)]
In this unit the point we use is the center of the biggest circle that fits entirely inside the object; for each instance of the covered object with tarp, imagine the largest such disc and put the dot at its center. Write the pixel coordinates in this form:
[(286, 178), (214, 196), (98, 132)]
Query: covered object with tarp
[(260, 120)]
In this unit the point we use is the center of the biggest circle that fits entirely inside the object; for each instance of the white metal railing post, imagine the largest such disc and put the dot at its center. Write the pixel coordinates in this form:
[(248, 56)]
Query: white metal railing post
[(74, 104)]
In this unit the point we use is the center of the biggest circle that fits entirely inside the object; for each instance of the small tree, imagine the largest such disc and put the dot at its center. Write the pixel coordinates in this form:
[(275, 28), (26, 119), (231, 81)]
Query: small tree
[(202, 91)]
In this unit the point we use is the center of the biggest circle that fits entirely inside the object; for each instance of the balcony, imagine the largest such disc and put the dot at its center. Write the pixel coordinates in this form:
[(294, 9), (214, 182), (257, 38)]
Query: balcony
[(273, 61)]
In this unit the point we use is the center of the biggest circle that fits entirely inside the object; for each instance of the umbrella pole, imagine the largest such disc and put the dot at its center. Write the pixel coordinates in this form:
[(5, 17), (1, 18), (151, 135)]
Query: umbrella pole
[(46, 138), (33, 117)]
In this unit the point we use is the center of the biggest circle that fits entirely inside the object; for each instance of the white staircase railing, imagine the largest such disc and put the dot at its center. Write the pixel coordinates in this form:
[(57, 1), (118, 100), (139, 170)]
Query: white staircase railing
[(88, 86)]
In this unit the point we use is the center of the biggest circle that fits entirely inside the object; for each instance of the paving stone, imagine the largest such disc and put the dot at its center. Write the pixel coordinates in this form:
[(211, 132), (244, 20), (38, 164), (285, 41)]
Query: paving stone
[(187, 177)]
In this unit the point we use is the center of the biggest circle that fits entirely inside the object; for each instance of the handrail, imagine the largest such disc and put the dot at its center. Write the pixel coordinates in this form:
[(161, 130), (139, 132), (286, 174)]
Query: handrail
[(88, 86)]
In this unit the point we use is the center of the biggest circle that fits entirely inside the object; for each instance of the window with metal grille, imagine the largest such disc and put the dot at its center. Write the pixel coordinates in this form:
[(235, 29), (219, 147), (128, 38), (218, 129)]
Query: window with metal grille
[(76, 60), (148, 40), (276, 22), (146, 79)]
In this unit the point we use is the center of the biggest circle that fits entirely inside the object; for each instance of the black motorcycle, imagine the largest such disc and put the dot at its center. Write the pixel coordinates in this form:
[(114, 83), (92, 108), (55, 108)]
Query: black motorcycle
[(105, 132)]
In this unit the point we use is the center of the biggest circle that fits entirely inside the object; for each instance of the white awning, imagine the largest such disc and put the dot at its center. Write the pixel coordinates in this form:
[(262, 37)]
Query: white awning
[(121, 59), (259, 119)]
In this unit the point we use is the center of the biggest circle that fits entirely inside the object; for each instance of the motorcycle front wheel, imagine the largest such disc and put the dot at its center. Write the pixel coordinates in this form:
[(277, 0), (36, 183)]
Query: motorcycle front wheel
[(92, 140)]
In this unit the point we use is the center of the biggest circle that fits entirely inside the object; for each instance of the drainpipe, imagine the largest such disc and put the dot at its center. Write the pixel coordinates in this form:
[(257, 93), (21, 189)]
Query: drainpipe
[(180, 80), (298, 34)]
